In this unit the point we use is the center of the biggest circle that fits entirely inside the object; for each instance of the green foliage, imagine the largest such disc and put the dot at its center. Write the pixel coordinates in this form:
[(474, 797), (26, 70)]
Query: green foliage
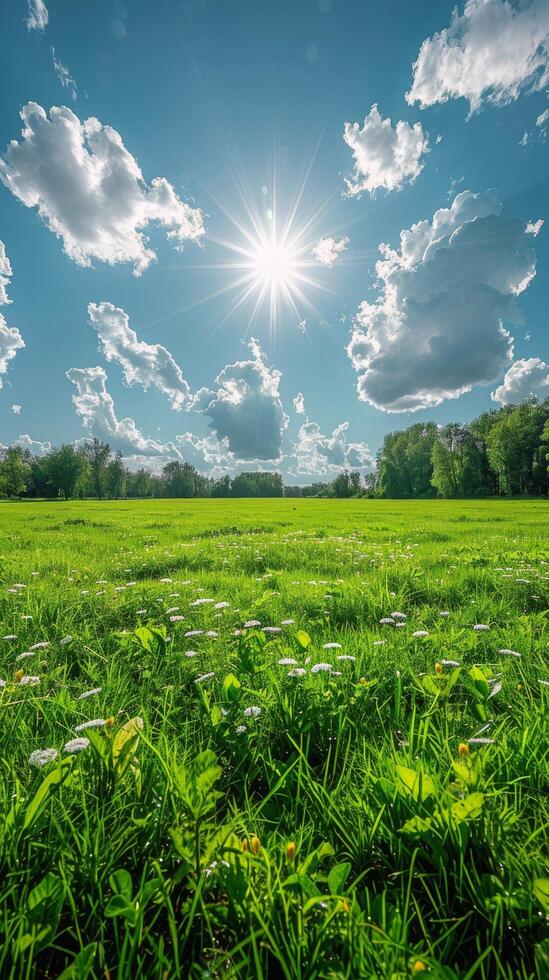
[(237, 813)]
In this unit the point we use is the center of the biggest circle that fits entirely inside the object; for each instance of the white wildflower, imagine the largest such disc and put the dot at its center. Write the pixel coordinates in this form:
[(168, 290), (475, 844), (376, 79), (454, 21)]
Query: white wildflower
[(444, 613), (420, 633), (94, 723), (41, 757), (10, 636), (320, 668), (222, 605), (205, 677), (191, 653), (297, 672), (89, 694), (287, 622), (40, 646), (176, 619), (481, 628), (27, 679), (509, 653), (66, 639), (253, 711), (25, 654), (331, 646), (450, 663), (346, 657), (76, 745), (286, 662), (194, 633), (252, 623), (387, 621), (480, 741), (240, 729)]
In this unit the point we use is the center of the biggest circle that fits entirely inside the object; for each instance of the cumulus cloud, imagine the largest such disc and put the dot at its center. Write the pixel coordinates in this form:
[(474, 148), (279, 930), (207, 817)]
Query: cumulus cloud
[(5, 275), (299, 404), (10, 339), (246, 409), (95, 406), (64, 76), (34, 446), (38, 16), (492, 51), (327, 250), (89, 190), (525, 378), (144, 364), (316, 454), (385, 156), (437, 327), (534, 227), (543, 118), (16, 409)]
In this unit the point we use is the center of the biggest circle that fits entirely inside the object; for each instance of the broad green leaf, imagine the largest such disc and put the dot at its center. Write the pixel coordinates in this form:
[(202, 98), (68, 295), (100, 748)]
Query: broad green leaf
[(121, 883), (49, 785), (303, 639), (124, 744), (231, 687), (468, 809), (81, 966), (337, 878), (540, 890), (415, 784), (480, 683), (417, 825)]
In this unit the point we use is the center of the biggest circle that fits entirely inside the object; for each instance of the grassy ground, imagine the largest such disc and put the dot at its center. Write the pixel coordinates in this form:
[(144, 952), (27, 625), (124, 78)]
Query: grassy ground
[(235, 816)]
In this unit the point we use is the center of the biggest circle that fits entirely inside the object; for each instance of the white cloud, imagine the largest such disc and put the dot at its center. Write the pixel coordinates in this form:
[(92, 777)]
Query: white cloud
[(543, 118), (318, 455), (95, 406), (436, 329), (16, 409), (299, 404), (492, 51), (144, 364), (246, 409), (5, 275), (327, 250), (526, 377), (38, 16), (534, 227), (385, 156), (64, 76), (89, 189), (10, 339), (34, 446)]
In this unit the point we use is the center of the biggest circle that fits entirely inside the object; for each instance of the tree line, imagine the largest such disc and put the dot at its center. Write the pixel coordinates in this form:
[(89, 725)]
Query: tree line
[(93, 470), (503, 452)]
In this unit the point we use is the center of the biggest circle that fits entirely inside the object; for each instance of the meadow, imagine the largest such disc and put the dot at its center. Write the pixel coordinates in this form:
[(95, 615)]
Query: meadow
[(274, 739)]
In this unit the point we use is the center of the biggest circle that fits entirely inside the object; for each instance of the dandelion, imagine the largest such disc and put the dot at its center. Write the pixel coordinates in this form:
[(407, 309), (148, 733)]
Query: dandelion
[(463, 748), (291, 850), (438, 668), (419, 967), (205, 677), (321, 668), (253, 711), (481, 628), (509, 653), (297, 672), (89, 694), (331, 646), (41, 757), (28, 680), (420, 633), (94, 723), (76, 745)]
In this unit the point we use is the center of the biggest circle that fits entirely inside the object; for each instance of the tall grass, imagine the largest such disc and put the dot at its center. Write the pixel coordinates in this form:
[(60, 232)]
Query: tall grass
[(386, 817)]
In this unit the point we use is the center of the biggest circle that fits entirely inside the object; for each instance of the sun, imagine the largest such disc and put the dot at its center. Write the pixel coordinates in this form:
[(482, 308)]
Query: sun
[(274, 265)]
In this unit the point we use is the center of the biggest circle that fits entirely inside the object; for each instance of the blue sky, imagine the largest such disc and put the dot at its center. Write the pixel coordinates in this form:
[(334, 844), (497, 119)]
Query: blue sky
[(224, 99)]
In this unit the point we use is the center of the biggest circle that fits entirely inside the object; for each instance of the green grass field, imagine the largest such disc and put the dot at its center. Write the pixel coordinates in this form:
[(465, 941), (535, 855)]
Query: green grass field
[(318, 795)]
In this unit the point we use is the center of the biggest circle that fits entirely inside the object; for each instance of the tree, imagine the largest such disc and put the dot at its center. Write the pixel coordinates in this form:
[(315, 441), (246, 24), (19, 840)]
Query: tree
[(65, 471), (15, 472), (98, 455), (115, 477), (180, 479), (458, 459), (513, 446)]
